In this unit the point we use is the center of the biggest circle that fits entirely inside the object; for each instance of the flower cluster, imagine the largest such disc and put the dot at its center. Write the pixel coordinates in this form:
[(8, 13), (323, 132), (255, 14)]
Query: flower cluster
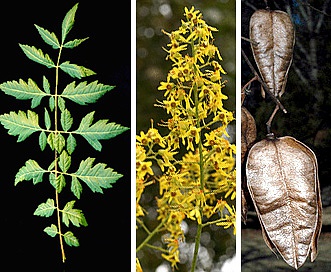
[(195, 157)]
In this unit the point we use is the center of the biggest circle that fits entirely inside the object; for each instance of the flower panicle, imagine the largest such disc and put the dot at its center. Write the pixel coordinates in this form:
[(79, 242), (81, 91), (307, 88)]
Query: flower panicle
[(194, 158)]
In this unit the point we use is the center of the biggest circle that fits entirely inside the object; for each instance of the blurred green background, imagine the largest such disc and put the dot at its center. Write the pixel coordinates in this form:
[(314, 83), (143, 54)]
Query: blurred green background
[(217, 245)]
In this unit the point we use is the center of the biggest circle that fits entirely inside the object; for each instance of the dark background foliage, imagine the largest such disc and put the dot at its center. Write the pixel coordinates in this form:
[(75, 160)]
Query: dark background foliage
[(217, 245), (107, 52), (307, 100)]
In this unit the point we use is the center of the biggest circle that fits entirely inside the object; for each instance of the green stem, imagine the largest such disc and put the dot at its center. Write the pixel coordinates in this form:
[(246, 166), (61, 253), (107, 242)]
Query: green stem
[(56, 155), (196, 247), (201, 166), (151, 234)]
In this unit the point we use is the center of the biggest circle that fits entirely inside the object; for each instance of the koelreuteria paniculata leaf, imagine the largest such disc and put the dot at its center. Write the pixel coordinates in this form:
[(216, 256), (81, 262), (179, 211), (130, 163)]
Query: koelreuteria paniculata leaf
[(56, 130)]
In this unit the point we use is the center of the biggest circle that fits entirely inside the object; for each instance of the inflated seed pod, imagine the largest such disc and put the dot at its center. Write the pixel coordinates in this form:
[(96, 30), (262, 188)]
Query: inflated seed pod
[(283, 182), (248, 136), (248, 131), (273, 37)]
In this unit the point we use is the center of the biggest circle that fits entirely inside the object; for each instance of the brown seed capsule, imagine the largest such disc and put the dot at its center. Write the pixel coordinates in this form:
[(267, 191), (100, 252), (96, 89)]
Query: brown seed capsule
[(272, 35), (248, 136), (282, 178), (248, 131)]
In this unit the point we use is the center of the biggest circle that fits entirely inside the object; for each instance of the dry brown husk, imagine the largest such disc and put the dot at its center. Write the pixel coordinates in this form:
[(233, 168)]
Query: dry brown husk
[(248, 136), (272, 35), (282, 178)]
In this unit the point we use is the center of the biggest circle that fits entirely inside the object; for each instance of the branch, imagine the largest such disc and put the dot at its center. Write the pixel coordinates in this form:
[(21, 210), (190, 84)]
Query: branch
[(265, 87)]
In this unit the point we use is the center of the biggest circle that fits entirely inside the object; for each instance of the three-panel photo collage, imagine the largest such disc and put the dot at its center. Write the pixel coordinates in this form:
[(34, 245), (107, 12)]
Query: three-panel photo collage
[(166, 135)]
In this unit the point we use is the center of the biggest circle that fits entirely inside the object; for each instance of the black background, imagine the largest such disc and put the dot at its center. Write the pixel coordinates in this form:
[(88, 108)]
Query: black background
[(105, 243)]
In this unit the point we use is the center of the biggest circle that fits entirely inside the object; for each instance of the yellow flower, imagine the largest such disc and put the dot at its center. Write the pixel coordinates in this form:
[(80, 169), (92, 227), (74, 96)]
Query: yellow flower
[(143, 168), (138, 267), (168, 86), (192, 136), (143, 139)]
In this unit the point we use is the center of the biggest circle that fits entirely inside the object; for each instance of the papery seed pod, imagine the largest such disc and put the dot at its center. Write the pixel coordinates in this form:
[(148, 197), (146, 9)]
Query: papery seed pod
[(248, 136), (272, 35), (248, 131), (283, 182)]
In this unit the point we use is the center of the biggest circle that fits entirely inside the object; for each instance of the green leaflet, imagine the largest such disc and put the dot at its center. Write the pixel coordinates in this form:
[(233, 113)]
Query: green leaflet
[(75, 70), (75, 216), (101, 130), (74, 43), (64, 161), (71, 144), (57, 182), (70, 239), (37, 55), (85, 93), (31, 170), (96, 177), (48, 37), (42, 140), (24, 90), (68, 22), (56, 141), (45, 209), (51, 231), (76, 187), (20, 124), (66, 120)]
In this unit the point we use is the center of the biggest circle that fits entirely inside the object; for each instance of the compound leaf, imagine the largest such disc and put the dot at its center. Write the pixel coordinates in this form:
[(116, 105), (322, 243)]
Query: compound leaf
[(75, 70), (85, 93), (31, 170), (24, 90), (48, 37), (37, 55), (20, 124), (70, 239), (75, 216), (101, 130), (51, 231), (96, 177), (45, 209), (68, 22)]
